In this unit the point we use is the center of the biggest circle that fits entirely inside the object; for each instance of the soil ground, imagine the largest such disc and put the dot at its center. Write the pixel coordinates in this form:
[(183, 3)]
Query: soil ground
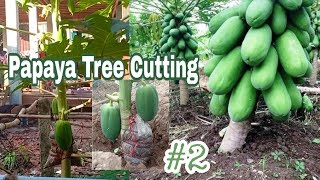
[(24, 141), (272, 150)]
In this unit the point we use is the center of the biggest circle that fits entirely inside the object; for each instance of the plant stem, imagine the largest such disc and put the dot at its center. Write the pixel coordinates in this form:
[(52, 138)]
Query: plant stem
[(66, 167), (113, 98), (185, 11), (62, 106), (125, 88), (62, 100), (164, 4)]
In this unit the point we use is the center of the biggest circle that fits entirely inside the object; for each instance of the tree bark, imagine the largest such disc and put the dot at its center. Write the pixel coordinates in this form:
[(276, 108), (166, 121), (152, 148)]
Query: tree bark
[(44, 107), (235, 136), (313, 78), (184, 93)]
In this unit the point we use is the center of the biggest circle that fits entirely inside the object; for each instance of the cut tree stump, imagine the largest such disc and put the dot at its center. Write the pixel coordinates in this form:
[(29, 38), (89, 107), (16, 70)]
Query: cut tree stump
[(44, 107), (235, 136)]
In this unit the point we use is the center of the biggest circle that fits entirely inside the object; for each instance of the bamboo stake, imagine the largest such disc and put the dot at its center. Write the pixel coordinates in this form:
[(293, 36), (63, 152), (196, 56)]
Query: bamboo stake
[(78, 107), (46, 91), (81, 155), (14, 123)]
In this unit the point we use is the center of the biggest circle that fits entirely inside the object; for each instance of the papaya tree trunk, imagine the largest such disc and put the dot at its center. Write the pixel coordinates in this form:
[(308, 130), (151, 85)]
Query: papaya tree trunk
[(125, 88), (184, 93), (63, 106), (313, 78), (235, 136), (62, 88)]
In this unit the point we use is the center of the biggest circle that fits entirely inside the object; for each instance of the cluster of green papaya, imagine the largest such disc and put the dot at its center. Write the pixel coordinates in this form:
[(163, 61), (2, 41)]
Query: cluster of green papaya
[(177, 36), (258, 48), (146, 105)]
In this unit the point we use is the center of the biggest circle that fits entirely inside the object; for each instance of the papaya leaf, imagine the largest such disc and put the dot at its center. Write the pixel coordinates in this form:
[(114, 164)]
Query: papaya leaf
[(105, 43), (71, 6), (77, 47), (23, 84), (57, 50), (118, 25)]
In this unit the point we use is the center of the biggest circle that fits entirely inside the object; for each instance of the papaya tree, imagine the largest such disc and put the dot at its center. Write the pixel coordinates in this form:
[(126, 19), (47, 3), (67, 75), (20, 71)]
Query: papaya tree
[(259, 53), (171, 18), (90, 36)]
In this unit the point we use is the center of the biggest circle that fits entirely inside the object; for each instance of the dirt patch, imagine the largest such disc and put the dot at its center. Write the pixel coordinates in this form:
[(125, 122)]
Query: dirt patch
[(272, 150), (24, 142), (159, 125)]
